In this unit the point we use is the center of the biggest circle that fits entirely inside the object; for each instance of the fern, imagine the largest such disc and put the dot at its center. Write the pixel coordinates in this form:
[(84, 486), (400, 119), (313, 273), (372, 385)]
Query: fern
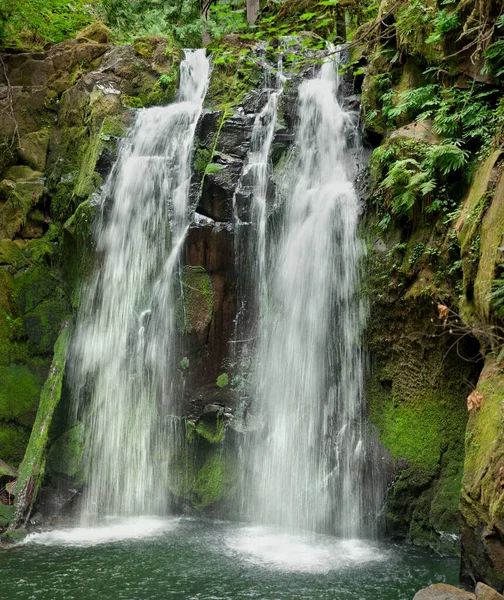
[(497, 297), (416, 99), (447, 158), (443, 23)]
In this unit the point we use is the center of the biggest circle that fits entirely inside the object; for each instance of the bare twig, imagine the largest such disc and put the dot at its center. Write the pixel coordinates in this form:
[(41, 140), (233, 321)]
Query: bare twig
[(10, 111)]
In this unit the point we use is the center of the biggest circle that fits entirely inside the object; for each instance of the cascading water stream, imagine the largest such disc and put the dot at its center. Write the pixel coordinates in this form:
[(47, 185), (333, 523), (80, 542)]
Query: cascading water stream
[(305, 463), (123, 371)]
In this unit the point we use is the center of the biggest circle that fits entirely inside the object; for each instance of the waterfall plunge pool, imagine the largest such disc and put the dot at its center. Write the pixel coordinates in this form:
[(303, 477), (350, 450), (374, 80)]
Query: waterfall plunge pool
[(159, 559)]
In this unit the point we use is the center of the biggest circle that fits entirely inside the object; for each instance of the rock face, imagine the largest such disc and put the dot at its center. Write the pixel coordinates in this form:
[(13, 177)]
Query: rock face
[(442, 591)]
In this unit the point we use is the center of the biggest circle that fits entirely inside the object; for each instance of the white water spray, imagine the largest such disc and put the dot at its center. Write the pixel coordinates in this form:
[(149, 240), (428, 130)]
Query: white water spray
[(304, 465), (124, 346)]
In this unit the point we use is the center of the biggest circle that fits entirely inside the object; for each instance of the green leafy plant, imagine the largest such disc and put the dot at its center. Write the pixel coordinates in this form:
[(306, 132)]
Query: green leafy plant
[(497, 297), (444, 22), (405, 181), (222, 380)]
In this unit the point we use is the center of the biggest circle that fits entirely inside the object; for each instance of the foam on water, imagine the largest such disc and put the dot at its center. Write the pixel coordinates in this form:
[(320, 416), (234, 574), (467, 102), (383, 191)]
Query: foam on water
[(114, 530), (282, 551)]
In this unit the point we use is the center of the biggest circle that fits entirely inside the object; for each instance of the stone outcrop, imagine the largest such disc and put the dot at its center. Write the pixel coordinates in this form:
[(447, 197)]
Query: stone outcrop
[(442, 591)]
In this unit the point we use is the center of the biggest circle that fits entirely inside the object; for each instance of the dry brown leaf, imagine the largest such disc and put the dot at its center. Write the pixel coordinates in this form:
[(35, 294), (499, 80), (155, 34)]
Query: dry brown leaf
[(474, 400), (443, 313)]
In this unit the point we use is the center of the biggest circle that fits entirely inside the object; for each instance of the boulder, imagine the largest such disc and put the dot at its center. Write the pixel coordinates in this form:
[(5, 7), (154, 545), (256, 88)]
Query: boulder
[(19, 192), (420, 132), (219, 184), (96, 32), (32, 149), (443, 591), (484, 592)]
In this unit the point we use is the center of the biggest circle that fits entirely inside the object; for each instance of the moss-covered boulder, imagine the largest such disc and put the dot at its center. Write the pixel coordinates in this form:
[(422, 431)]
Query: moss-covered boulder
[(32, 149), (482, 497), (65, 457), (96, 32), (203, 473), (19, 193)]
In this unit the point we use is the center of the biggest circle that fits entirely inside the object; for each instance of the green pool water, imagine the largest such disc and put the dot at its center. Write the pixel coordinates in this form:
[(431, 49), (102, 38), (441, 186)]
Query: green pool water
[(155, 559)]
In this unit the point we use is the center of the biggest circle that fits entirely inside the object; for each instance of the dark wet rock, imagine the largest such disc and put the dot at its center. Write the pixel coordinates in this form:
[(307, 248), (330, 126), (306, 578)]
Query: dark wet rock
[(255, 101), (235, 135), (210, 401), (207, 128), (220, 181), (210, 246)]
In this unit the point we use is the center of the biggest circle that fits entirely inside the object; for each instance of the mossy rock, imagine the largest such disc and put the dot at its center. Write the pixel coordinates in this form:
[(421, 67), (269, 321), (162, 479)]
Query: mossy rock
[(196, 305), (482, 497), (19, 394), (416, 396), (211, 428), (13, 442), (32, 286), (468, 227), (96, 32), (66, 455), (32, 149), (32, 468), (11, 255), (216, 480), (490, 250), (12, 536), (43, 324), (78, 249), (6, 514), (20, 191)]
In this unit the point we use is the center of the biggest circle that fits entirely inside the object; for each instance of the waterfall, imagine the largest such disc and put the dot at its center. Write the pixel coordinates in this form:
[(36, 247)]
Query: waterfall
[(124, 375), (304, 462)]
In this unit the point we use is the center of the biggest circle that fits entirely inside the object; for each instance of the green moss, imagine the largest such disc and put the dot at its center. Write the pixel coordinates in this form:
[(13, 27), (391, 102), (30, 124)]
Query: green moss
[(485, 441), (6, 514), (19, 393), (42, 324), (11, 255), (215, 481), (222, 380), (212, 430), (132, 101), (490, 253), (13, 442), (66, 455), (32, 286), (231, 79), (416, 423), (20, 191), (196, 305), (182, 472), (12, 536), (78, 244), (32, 468), (190, 431), (469, 222), (202, 158)]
